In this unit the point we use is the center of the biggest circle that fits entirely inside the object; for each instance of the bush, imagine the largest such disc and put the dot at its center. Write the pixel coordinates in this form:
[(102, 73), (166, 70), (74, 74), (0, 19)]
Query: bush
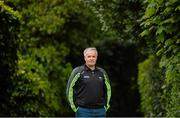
[(150, 81), (8, 53), (40, 83)]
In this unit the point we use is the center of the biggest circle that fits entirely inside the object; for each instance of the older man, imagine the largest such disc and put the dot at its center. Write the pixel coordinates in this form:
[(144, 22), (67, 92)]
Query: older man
[(88, 89)]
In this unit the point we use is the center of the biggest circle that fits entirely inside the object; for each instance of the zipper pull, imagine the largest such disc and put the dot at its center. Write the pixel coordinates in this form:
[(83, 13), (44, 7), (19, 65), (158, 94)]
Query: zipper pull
[(93, 73)]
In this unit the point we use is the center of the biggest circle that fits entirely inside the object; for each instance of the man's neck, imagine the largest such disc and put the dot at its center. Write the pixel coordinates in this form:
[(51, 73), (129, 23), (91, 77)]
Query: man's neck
[(91, 67)]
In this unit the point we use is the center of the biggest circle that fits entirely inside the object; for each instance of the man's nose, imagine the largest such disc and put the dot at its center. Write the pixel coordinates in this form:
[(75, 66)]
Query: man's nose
[(91, 58)]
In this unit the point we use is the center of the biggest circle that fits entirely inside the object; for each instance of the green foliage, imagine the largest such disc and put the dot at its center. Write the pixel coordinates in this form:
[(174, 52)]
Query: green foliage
[(161, 19), (150, 81), (119, 16), (44, 17), (172, 85), (9, 22), (9, 10), (68, 22), (161, 23), (39, 81), (31, 89)]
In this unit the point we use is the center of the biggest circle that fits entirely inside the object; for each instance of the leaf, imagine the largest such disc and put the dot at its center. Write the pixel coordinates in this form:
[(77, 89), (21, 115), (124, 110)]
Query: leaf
[(159, 52), (167, 11), (144, 33), (169, 20), (149, 12), (178, 41), (160, 30), (160, 38), (168, 42), (177, 8), (157, 20), (10, 10)]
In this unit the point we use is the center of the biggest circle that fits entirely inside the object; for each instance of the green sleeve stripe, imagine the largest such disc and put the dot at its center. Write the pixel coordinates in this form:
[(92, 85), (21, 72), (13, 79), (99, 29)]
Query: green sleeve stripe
[(108, 91), (70, 94)]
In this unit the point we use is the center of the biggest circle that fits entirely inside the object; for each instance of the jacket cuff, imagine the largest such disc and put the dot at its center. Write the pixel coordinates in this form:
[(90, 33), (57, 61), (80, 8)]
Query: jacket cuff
[(107, 107), (74, 109)]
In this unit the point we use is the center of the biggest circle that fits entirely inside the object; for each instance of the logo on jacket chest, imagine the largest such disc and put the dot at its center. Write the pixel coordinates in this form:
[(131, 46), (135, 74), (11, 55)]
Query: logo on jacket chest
[(100, 78), (86, 76)]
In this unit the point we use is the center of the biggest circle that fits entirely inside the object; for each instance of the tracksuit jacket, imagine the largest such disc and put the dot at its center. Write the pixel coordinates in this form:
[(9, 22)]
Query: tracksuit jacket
[(88, 88)]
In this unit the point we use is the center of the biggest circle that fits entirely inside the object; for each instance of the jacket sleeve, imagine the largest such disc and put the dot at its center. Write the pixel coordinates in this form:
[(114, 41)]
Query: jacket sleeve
[(69, 90), (108, 88)]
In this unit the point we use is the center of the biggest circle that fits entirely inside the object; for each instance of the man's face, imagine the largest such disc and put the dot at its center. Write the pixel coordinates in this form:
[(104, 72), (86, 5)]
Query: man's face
[(90, 58)]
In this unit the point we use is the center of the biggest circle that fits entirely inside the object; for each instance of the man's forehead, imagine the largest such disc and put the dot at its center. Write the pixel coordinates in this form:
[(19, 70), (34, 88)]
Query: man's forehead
[(91, 52)]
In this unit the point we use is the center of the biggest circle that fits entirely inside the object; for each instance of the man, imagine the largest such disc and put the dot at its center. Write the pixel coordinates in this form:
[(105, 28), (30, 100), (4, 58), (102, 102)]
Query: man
[(88, 89)]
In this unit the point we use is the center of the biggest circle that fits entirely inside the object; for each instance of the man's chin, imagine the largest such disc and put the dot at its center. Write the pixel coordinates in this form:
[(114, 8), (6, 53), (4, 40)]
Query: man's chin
[(91, 65)]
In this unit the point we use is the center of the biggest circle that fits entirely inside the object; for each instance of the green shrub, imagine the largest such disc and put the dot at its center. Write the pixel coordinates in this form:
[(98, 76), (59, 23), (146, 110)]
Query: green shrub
[(9, 25), (40, 83), (161, 26), (150, 81), (171, 89)]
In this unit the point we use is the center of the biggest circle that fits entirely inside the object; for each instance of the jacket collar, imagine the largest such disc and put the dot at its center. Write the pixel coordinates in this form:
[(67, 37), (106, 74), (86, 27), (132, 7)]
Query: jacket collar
[(87, 68)]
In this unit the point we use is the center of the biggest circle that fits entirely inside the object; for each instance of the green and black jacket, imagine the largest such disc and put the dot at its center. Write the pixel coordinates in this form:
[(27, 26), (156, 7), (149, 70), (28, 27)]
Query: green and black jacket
[(88, 88)]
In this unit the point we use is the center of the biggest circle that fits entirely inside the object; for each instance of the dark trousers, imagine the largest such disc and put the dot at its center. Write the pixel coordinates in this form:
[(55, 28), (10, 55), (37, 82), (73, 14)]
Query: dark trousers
[(89, 112)]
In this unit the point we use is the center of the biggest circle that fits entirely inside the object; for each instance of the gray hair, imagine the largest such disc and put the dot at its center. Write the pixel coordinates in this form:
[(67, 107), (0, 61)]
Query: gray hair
[(89, 49)]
